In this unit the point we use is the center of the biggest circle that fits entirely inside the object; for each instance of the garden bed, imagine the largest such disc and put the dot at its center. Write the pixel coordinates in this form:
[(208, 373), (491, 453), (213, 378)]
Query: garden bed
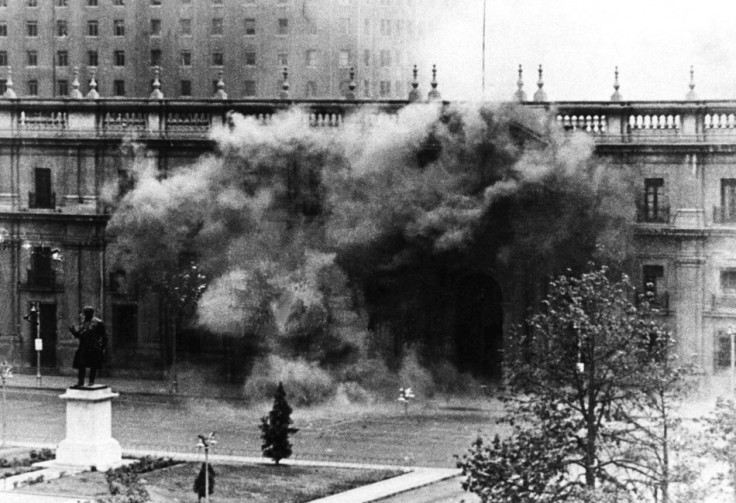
[(233, 483)]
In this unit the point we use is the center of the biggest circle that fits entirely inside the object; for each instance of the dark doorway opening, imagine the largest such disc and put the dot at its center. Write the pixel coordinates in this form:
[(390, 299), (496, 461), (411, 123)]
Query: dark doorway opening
[(124, 328), (46, 328), (479, 326)]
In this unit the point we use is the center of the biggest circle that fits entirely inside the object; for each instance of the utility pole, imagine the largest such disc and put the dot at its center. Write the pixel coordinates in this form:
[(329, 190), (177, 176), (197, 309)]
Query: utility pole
[(205, 442)]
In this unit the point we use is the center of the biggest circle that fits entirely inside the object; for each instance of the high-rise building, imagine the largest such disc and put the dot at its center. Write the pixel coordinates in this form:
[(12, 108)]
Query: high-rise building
[(192, 41)]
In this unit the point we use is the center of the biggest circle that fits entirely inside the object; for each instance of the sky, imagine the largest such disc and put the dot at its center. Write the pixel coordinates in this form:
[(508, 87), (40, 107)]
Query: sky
[(579, 42)]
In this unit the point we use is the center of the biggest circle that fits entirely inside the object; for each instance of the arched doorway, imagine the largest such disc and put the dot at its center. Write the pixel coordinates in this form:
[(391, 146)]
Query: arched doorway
[(479, 326)]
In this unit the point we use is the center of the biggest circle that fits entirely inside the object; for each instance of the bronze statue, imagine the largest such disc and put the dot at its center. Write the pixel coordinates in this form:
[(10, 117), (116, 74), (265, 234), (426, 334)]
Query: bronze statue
[(92, 344)]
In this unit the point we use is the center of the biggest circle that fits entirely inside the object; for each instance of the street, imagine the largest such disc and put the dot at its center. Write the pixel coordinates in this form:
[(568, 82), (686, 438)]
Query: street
[(431, 434)]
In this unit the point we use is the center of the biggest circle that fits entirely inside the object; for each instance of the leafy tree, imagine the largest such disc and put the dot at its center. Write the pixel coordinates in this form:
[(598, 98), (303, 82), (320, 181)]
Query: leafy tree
[(592, 380), (275, 429)]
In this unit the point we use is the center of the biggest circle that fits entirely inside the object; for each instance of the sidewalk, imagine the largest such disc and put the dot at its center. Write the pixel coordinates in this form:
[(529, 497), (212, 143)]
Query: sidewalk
[(186, 387), (415, 477)]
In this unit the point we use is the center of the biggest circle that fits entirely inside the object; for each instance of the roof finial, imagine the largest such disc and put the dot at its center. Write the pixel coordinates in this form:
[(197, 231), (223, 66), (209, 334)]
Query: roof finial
[(350, 95), (220, 93), (76, 93), (616, 96), (691, 96), (156, 94), (9, 93), (284, 94), (92, 93), (414, 93), (520, 95), (540, 95), (434, 94)]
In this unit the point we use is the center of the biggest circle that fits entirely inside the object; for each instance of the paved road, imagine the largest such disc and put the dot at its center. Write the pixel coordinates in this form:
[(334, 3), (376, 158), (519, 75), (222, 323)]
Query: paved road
[(380, 434), (448, 491)]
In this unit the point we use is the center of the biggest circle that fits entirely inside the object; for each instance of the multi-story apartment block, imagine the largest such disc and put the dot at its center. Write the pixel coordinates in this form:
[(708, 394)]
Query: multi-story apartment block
[(192, 41)]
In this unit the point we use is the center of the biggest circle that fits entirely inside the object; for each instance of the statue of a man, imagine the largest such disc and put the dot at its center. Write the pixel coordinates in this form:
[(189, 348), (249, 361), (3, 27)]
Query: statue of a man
[(92, 343)]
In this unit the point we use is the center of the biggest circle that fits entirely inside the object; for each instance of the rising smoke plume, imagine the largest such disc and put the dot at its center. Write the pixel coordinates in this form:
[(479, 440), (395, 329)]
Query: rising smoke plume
[(289, 226)]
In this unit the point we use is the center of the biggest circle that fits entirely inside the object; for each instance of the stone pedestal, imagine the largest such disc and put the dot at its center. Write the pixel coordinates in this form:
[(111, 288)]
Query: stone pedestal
[(89, 439)]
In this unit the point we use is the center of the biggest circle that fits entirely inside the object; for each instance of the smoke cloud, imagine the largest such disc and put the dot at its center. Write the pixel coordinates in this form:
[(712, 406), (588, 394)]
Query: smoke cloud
[(288, 224)]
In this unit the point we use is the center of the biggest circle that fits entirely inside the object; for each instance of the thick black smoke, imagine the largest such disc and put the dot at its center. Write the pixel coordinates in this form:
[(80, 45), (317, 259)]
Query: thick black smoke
[(299, 230)]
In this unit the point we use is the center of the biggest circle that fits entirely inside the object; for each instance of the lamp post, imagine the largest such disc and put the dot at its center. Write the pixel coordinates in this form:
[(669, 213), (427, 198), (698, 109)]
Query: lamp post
[(205, 442), (5, 373), (731, 334), (33, 318)]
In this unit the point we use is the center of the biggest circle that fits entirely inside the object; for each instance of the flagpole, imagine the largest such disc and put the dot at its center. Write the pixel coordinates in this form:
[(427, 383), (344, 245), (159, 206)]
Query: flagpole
[(483, 71)]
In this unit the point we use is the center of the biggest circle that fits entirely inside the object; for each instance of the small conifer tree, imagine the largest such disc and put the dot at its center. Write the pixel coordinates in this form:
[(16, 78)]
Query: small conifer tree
[(199, 482), (275, 429)]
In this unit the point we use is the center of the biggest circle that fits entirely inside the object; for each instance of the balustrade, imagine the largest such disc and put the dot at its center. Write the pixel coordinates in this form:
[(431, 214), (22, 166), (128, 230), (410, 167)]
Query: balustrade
[(606, 122)]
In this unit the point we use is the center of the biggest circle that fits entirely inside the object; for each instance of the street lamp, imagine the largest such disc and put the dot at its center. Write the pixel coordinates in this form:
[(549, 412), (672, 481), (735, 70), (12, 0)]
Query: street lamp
[(33, 318), (731, 334), (205, 442), (5, 373)]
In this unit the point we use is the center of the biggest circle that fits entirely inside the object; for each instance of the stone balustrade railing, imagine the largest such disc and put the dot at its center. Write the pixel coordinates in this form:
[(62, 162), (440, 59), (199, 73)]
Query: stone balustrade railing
[(607, 122), (160, 118)]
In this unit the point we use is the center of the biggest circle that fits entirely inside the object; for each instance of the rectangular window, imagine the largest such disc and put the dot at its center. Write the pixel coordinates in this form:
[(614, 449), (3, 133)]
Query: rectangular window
[(92, 58), (186, 88), (91, 3), (344, 58), (155, 27), (653, 278), (3, 3), (249, 89), (155, 57), (61, 28), (250, 58), (62, 87), (655, 209), (119, 58), (118, 2), (367, 57), (283, 27), (282, 59), (3, 85), (118, 88), (33, 88), (32, 58), (3, 58), (156, 3), (185, 26), (311, 89), (31, 29), (118, 28), (385, 27), (366, 88), (186, 58), (42, 197), (250, 26), (728, 200), (41, 272), (61, 3), (3, 29), (728, 281), (217, 26), (92, 28), (385, 57), (218, 58), (311, 57), (32, 3), (62, 58), (385, 88)]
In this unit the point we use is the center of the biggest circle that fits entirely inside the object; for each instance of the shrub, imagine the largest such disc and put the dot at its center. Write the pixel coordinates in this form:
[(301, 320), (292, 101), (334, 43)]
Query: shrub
[(275, 429)]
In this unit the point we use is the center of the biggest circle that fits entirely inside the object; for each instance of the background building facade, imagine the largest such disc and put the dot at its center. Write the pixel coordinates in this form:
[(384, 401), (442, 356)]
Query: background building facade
[(192, 41)]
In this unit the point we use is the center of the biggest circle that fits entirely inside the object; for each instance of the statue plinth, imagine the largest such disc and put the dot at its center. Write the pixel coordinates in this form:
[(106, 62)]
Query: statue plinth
[(88, 439)]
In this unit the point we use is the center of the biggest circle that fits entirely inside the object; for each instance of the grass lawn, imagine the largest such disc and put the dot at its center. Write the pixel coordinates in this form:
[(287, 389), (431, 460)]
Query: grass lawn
[(233, 484)]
